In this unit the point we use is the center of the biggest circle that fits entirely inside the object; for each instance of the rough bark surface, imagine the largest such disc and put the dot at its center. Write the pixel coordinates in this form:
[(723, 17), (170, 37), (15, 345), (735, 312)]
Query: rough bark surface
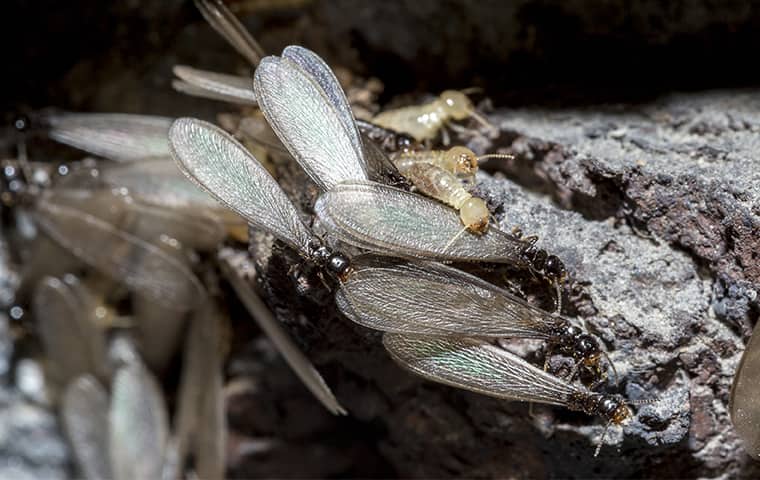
[(654, 209)]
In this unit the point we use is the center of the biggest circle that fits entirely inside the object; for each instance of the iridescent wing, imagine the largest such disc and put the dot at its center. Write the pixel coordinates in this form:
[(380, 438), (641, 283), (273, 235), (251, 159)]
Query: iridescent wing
[(319, 72), (141, 266), (309, 124), (426, 298), (213, 85), (395, 222), (139, 431), (84, 411), (479, 367), (226, 170), (230, 28), (116, 136), (744, 402)]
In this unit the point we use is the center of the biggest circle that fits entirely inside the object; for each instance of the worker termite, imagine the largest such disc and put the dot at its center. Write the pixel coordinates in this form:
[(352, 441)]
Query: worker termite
[(423, 122), (437, 173), (483, 368), (306, 108)]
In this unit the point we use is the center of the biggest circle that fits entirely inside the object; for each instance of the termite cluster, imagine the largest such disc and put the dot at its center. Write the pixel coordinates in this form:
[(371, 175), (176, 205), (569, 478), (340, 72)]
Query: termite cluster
[(132, 232)]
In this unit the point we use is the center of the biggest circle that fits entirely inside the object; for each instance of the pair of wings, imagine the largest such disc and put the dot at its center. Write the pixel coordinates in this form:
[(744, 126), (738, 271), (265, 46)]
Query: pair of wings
[(126, 434), (306, 107)]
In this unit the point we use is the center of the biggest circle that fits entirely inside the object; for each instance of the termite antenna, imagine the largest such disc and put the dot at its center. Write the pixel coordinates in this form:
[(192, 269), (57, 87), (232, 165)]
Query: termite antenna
[(506, 156), (646, 401), (454, 238), (612, 366), (601, 440), (558, 293)]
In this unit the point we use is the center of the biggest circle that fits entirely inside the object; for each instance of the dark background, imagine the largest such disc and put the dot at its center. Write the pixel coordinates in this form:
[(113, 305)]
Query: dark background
[(116, 56)]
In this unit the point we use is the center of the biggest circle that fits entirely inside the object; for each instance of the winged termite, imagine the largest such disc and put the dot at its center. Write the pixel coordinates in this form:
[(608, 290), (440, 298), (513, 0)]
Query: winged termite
[(483, 368), (67, 319), (116, 136), (426, 298), (126, 258), (84, 411), (139, 425), (306, 108), (423, 122), (229, 27), (744, 402), (224, 168), (213, 85)]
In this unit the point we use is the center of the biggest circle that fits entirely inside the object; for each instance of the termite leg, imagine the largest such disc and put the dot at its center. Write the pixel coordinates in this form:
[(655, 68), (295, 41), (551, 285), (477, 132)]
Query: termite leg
[(558, 299), (445, 137)]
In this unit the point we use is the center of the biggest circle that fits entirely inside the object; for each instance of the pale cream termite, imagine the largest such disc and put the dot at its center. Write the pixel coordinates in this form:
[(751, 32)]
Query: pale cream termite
[(438, 174), (461, 161), (444, 186), (423, 122)]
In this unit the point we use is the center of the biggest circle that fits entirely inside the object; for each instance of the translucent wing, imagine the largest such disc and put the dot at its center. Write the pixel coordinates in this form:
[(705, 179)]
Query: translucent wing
[(745, 396), (139, 425), (122, 256), (479, 367), (116, 136), (199, 231), (318, 71), (398, 223), (225, 169), (426, 298), (213, 85), (307, 123), (159, 182), (229, 27), (84, 411)]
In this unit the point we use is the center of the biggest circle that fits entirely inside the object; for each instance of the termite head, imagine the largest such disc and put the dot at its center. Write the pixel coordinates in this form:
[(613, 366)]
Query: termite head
[(474, 215), (461, 160), (336, 263), (612, 408), (550, 266), (615, 409), (456, 104)]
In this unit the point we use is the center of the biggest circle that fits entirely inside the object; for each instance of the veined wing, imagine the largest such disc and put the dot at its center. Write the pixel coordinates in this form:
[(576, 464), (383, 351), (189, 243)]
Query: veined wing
[(116, 136), (213, 85), (394, 222), (479, 367), (230, 28), (426, 298), (745, 396), (141, 266), (308, 124), (226, 170), (319, 72), (139, 424), (84, 411)]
